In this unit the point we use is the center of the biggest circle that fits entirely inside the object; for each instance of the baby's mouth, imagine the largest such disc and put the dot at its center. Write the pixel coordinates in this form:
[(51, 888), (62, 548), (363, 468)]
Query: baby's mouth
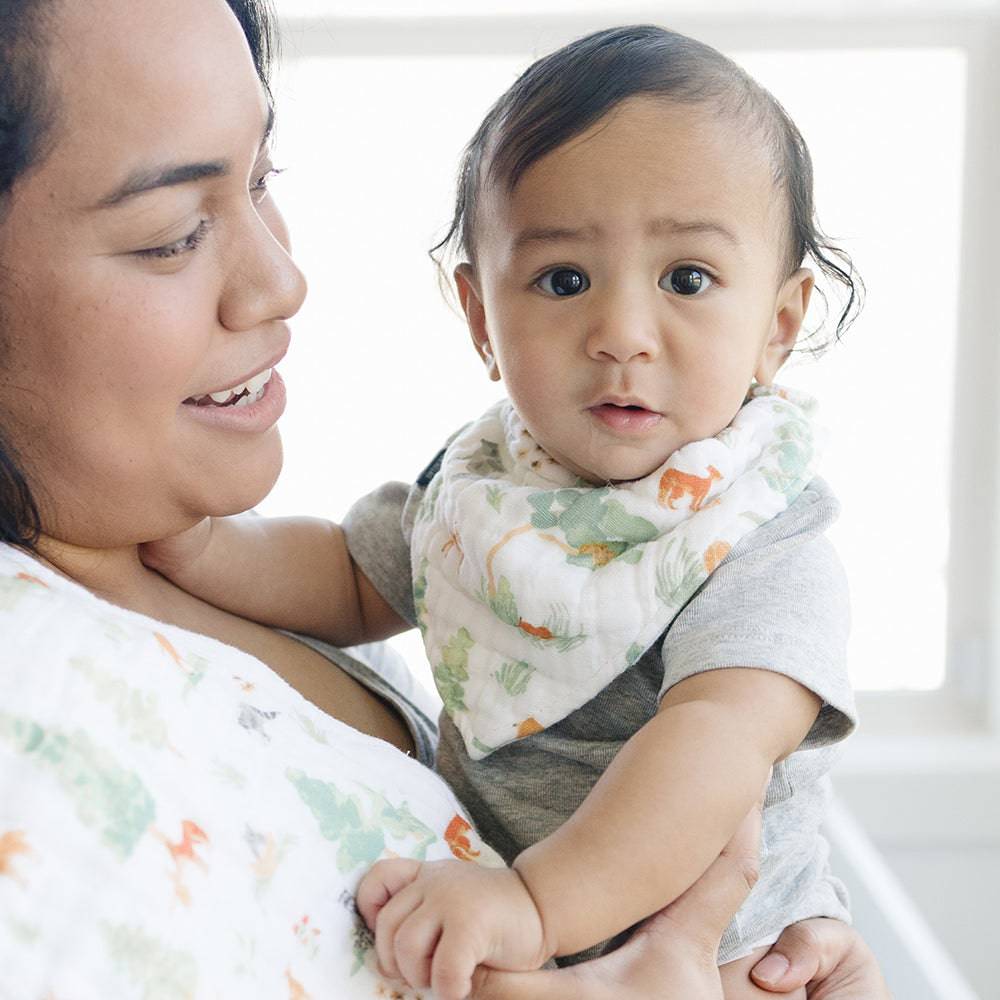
[(626, 416), (239, 395)]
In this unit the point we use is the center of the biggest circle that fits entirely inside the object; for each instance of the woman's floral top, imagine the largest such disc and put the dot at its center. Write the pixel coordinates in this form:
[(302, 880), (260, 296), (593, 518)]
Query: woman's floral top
[(177, 822)]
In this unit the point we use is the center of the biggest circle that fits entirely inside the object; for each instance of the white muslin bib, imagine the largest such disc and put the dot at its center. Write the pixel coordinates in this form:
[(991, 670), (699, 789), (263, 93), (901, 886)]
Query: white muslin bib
[(534, 590)]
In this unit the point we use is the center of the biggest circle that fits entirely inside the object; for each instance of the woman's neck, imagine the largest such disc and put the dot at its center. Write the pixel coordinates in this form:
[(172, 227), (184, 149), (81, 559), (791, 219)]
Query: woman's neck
[(114, 574)]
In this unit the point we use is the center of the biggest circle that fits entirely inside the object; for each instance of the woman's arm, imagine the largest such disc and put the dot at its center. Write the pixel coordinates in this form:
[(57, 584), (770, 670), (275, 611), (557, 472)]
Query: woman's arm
[(293, 573), (672, 956)]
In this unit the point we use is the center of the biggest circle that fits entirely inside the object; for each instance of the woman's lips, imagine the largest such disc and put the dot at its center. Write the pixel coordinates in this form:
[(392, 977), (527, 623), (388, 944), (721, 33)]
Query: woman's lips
[(626, 419), (250, 417)]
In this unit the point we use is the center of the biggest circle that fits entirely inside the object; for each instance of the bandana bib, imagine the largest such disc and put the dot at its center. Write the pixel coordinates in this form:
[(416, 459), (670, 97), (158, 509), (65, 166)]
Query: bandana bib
[(534, 590)]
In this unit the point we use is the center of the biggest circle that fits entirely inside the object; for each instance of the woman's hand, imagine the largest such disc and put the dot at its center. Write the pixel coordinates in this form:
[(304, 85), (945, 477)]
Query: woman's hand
[(828, 957), (672, 956)]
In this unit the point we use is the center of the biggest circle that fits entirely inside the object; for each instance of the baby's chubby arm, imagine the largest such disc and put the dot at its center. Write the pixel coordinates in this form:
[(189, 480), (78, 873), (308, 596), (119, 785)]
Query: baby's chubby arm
[(287, 572), (667, 805), (658, 817)]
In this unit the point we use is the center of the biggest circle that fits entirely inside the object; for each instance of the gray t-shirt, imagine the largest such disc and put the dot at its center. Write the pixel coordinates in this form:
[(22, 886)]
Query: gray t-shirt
[(778, 602)]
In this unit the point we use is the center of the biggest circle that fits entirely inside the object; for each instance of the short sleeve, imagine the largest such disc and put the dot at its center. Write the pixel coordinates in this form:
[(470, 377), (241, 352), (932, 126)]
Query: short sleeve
[(379, 545), (778, 602)]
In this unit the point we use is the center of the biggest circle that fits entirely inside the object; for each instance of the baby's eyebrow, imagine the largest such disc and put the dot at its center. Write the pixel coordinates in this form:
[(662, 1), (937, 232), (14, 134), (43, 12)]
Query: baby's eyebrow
[(554, 234), (670, 226)]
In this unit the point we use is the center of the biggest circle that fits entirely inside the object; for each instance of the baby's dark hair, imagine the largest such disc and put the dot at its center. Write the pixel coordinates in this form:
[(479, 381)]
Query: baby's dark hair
[(563, 94)]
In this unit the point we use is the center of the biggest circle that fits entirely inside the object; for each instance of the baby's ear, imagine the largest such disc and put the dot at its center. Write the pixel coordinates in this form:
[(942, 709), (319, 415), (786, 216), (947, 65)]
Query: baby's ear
[(470, 295), (789, 312)]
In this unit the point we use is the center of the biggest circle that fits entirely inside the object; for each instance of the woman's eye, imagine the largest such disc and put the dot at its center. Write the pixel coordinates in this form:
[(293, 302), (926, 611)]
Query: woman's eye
[(563, 281), (686, 281), (182, 246), (259, 187)]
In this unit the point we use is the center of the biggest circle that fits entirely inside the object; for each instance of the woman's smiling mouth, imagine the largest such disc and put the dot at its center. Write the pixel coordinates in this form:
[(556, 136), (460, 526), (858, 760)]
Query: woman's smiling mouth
[(243, 394)]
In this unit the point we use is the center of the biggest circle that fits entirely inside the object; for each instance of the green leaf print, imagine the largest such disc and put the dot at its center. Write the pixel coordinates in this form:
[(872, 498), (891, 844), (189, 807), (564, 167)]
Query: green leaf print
[(595, 524), (420, 597), (453, 670), (679, 574), (136, 711), (426, 509), (502, 603), (359, 831), (161, 972), (485, 460), (514, 677), (494, 497), (794, 451), (633, 654), (106, 795)]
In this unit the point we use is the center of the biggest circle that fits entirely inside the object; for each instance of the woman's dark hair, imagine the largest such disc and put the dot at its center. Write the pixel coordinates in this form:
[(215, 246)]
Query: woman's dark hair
[(563, 94), (28, 118)]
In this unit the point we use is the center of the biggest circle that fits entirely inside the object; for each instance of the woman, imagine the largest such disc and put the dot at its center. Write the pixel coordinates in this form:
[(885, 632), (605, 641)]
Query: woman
[(187, 799)]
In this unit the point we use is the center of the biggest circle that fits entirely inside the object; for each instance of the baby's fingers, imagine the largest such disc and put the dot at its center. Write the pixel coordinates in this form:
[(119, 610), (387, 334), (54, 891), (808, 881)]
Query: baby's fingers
[(453, 965), (381, 883), (416, 939), (387, 923)]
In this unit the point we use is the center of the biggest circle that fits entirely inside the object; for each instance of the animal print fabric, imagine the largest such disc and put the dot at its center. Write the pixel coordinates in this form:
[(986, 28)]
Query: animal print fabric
[(534, 590), (177, 823)]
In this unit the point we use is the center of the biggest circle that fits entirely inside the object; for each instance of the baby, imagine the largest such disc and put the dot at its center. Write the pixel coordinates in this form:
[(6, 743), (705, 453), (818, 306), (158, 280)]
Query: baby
[(620, 571)]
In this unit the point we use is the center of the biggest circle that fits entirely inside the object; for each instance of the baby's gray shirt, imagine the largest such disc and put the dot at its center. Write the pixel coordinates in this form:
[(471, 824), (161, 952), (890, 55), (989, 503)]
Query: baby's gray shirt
[(778, 601)]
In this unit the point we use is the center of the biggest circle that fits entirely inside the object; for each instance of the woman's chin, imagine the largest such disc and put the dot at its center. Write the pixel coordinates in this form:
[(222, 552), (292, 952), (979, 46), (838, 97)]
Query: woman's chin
[(234, 494)]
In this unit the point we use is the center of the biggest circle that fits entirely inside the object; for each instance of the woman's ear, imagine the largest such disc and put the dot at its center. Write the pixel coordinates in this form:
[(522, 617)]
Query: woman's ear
[(790, 312), (471, 297)]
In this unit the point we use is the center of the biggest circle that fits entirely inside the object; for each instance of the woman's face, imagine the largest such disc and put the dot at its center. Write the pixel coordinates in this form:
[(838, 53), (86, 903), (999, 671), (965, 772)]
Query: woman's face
[(145, 267)]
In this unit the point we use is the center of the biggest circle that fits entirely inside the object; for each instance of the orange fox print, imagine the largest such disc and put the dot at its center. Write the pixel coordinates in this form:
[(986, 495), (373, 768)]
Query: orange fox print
[(674, 485), (714, 554), (455, 837), (183, 853), (538, 631), (529, 727), (12, 843)]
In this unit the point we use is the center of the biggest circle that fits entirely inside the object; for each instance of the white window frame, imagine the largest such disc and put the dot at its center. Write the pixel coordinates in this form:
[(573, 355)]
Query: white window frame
[(958, 724)]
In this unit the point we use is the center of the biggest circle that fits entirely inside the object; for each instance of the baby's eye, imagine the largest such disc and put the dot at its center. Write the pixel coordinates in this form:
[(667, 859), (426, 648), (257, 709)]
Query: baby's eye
[(563, 281), (686, 281)]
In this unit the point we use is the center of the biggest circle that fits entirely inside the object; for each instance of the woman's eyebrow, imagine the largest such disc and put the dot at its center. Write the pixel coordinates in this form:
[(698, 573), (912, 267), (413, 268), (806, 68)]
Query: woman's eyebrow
[(149, 179), (146, 179)]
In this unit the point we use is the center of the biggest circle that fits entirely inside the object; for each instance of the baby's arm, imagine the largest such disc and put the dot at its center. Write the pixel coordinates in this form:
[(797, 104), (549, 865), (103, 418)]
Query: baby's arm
[(289, 572), (657, 818), (667, 805)]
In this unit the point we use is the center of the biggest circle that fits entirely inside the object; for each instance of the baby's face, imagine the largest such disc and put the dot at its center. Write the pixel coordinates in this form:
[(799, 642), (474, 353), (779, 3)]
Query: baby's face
[(633, 285)]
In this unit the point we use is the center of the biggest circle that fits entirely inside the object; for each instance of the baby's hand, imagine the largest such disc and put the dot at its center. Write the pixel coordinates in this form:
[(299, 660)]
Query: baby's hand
[(172, 556), (435, 922)]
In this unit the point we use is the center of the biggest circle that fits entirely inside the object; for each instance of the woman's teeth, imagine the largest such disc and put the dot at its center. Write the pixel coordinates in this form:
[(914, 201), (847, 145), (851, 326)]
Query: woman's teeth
[(239, 395)]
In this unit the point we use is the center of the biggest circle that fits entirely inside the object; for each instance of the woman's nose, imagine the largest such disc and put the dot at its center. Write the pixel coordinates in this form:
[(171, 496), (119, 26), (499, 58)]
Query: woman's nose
[(624, 328), (264, 283)]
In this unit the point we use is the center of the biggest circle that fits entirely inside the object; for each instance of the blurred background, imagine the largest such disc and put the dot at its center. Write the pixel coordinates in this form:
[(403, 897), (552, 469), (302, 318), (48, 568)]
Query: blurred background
[(898, 103)]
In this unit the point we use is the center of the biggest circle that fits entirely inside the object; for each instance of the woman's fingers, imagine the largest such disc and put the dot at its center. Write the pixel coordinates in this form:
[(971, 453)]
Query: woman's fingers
[(545, 984), (821, 951)]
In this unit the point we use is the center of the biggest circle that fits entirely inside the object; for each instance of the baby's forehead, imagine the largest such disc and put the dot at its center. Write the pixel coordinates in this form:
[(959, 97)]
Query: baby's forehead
[(649, 160)]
